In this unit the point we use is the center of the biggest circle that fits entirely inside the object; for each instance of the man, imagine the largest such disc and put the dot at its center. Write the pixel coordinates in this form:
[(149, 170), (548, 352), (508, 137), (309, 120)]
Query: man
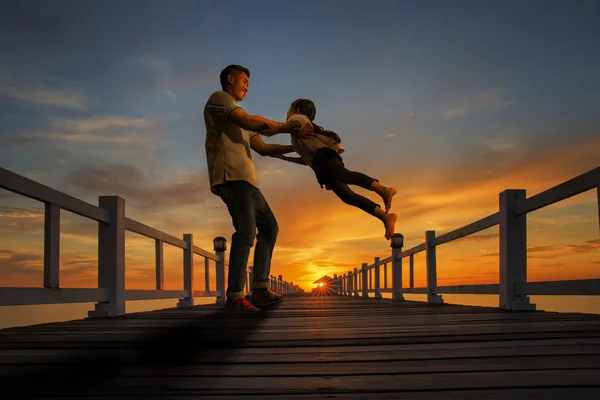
[(233, 178)]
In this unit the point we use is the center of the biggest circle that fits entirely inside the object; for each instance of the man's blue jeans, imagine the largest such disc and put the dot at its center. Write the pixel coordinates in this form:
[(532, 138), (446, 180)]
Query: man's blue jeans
[(249, 211)]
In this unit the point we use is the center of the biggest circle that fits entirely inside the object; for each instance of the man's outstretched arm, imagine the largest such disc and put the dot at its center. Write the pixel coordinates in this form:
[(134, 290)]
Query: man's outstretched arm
[(252, 123), (271, 150)]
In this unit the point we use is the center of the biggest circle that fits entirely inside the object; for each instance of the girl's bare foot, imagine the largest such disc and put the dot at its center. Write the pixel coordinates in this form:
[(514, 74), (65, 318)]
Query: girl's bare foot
[(387, 197), (390, 225)]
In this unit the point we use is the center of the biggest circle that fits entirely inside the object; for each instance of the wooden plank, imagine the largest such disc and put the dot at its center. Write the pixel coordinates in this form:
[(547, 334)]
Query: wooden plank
[(233, 385), (581, 287), (570, 393), (205, 253), (24, 356), (154, 294), (417, 249), (336, 334), (10, 296), (145, 230), (34, 190), (474, 227), (317, 369), (582, 183), (468, 289), (152, 233)]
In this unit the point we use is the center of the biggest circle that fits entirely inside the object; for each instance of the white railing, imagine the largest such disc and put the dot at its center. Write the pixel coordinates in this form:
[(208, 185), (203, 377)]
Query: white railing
[(111, 295), (513, 289)]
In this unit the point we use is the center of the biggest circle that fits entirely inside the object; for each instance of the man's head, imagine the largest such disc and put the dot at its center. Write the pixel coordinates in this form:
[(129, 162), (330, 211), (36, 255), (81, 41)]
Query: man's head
[(234, 80)]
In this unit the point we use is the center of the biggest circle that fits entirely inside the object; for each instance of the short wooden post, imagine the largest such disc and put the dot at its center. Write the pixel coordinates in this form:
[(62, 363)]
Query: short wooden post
[(188, 272), (377, 287), (159, 260), (513, 252), (365, 280), (111, 258), (356, 282), (207, 274), (397, 242), (220, 246), (430, 255), (51, 246)]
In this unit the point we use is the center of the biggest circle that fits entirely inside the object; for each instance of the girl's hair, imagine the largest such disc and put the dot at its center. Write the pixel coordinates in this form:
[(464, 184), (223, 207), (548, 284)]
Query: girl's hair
[(308, 108), (305, 107)]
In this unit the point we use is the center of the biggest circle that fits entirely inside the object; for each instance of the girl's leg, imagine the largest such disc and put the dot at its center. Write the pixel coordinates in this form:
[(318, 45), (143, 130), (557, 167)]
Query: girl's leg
[(366, 182), (349, 197)]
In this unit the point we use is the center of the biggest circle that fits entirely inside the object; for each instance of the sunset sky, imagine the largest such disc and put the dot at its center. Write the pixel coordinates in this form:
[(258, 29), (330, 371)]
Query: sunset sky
[(451, 102)]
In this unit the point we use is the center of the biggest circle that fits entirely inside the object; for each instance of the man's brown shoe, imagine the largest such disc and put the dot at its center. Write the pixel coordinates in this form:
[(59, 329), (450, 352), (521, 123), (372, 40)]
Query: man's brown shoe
[(265, 297)]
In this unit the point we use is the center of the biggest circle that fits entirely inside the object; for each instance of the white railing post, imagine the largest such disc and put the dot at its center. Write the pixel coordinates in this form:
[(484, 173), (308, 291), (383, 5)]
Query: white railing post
[(207, 274), (350, 284), (279, 283), (51, 246), (397, 242), (513, 252), (365, 280), (385, 285), (188, 272), (355, 282), (411, 271), (220, 246), (431, 260), (377, 286), (159, 260), (344, 285), (111, 258)]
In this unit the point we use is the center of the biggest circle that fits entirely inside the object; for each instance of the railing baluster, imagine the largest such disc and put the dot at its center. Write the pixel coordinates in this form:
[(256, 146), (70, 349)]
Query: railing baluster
[(430, 255), (385, 272), (51, 246), (159, 261), (513, 252), (206, 274), (396, 243), (220, 246), (365, 283), (412, 271), (188, 272), (377, 292), (111, 258)]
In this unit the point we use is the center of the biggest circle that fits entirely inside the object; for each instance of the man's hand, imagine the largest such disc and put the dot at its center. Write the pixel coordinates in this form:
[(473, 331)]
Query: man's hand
[(269, 130)]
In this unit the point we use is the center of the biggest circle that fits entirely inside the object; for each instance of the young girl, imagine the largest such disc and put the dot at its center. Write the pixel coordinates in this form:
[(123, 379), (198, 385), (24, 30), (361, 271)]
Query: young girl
[(322, 153)]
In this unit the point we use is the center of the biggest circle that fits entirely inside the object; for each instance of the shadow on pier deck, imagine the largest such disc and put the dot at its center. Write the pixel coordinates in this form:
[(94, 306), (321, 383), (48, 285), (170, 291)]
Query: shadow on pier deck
[(309, 347)]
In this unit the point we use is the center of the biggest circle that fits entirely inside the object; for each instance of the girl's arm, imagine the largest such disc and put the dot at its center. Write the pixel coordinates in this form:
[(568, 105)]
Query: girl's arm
[(297, 160)]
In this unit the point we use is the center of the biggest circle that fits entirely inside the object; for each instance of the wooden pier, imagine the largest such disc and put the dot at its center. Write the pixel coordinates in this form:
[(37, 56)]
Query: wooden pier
[(309, 347)]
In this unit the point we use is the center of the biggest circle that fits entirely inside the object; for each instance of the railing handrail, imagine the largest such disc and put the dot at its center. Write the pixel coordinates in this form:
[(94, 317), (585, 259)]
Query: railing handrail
[(514, 206), (113, 291)]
